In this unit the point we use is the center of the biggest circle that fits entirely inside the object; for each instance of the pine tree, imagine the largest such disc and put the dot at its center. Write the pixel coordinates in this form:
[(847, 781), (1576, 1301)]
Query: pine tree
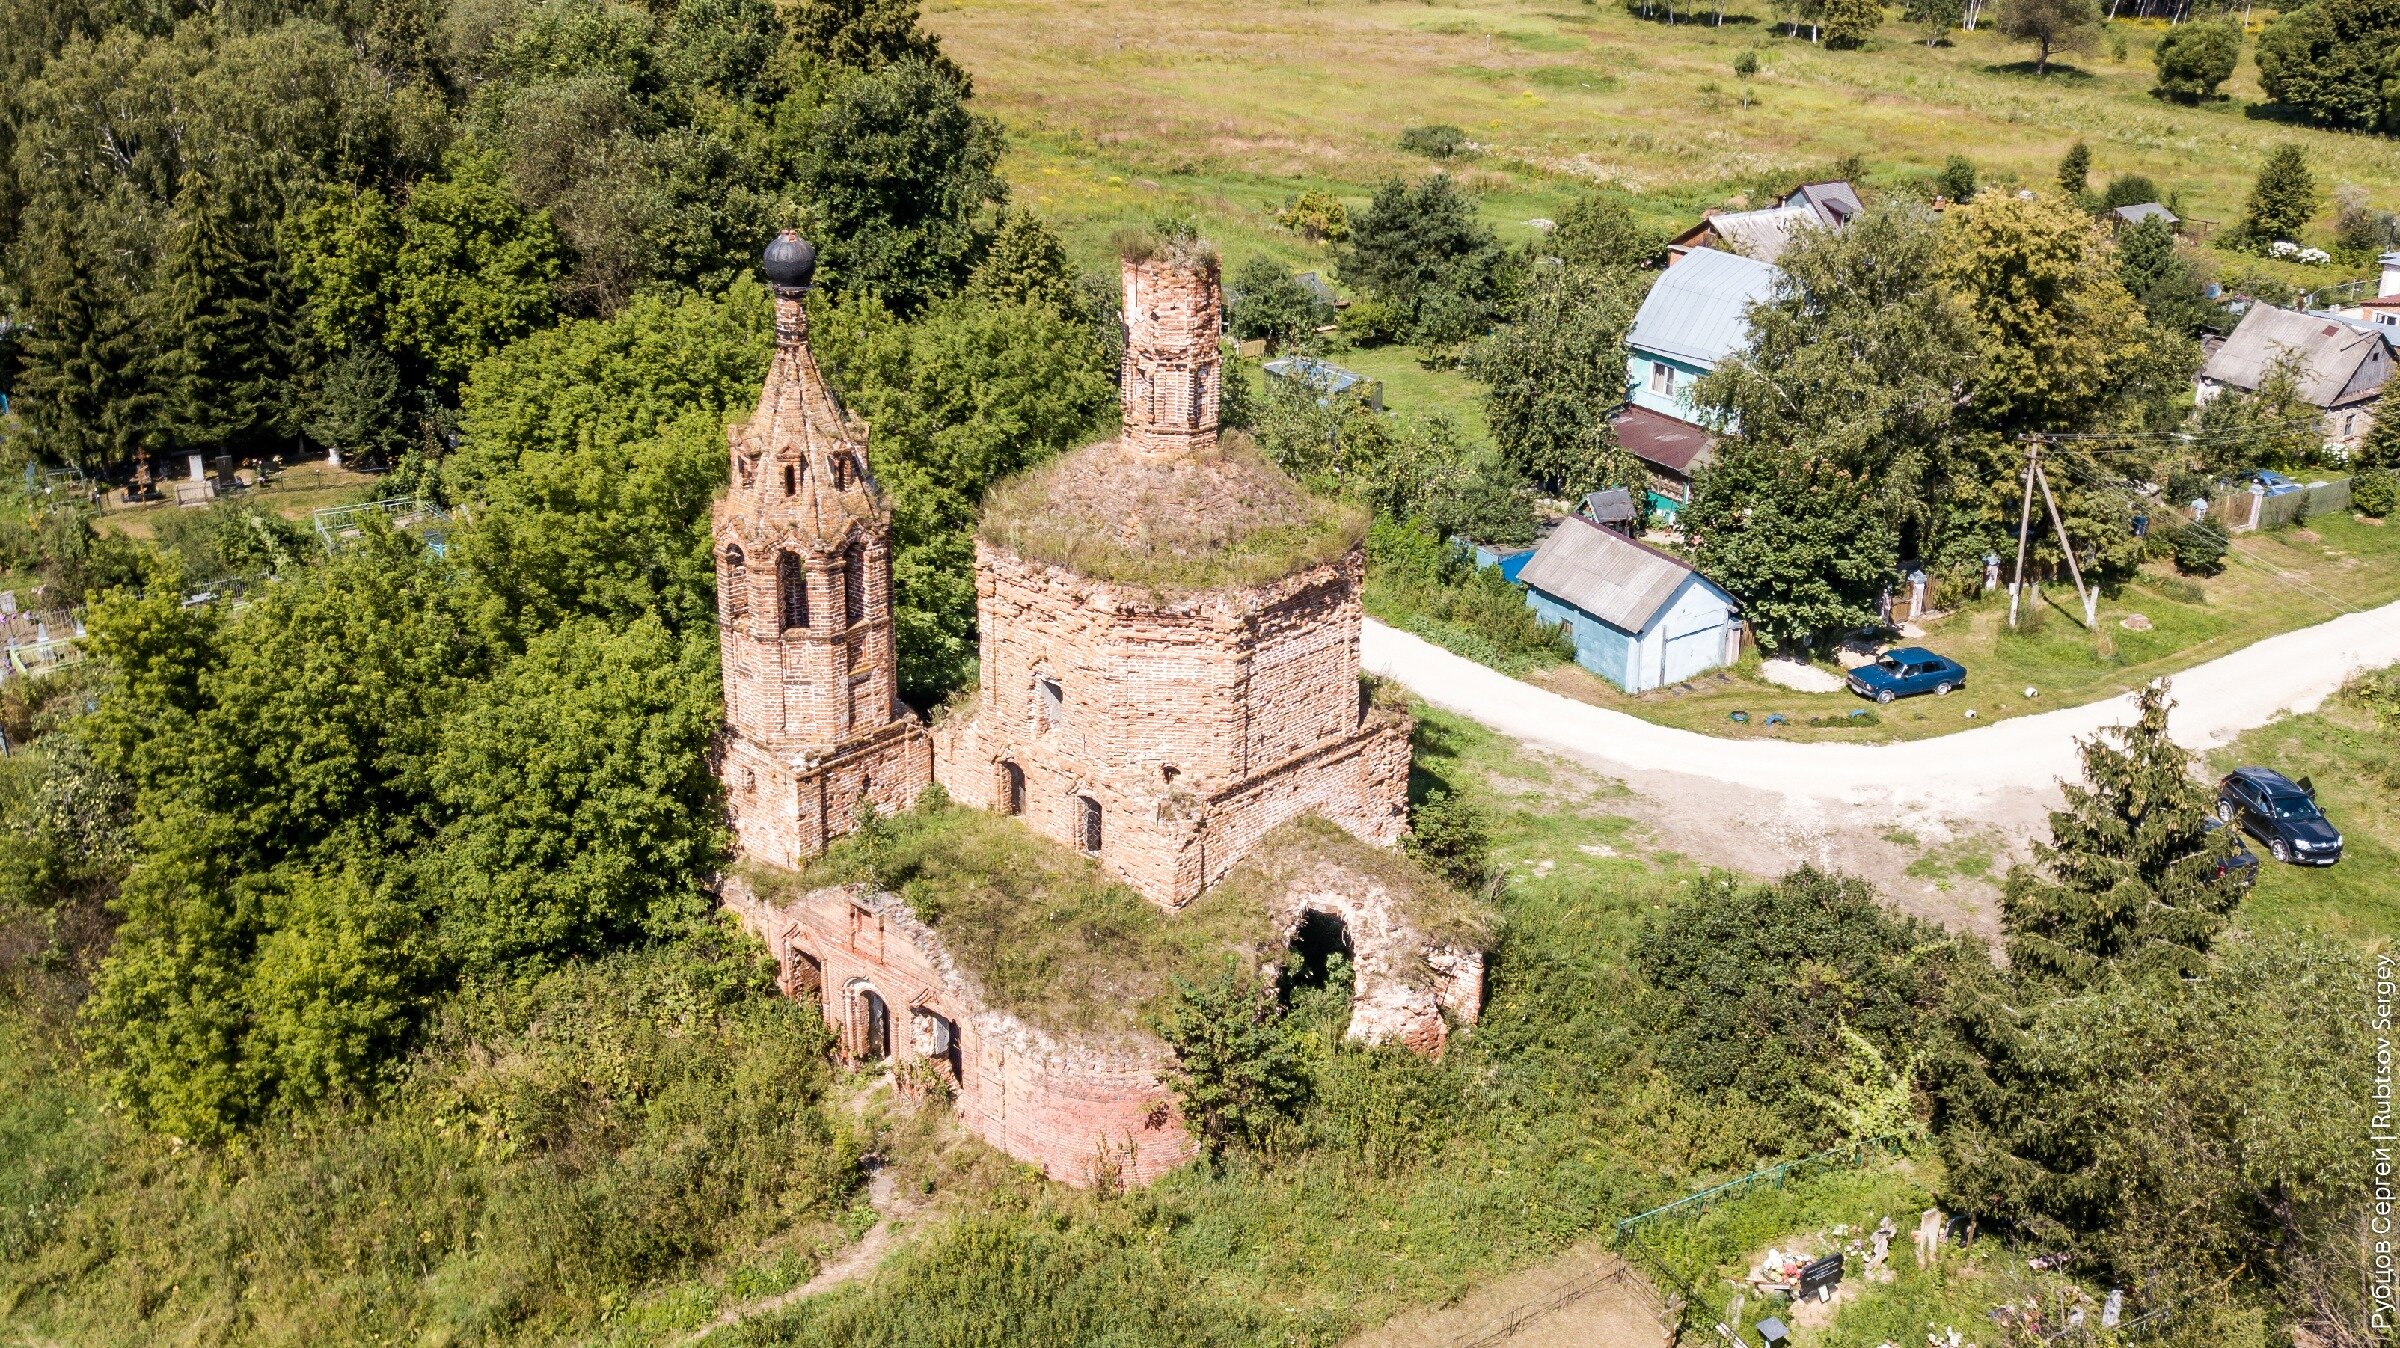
[(2075, 172), (84, 382), (2132, 875), (2284, 199), (219, 324), (357, 405), (1027, 264)]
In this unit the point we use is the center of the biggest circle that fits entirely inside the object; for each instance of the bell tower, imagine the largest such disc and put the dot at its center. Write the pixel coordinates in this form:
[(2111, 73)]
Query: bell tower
[(804, 606)]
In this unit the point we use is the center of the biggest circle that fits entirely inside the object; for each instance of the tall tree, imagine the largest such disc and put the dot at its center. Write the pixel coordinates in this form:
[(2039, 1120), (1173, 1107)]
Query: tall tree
[(2167, 284), (2057, 330), (1422, 250), (2194, 58), (220, 322), (1555, 375), (2330, 60), (475, 270), (2075, 172), (2283, 200), (1027, 264), (1804, 545), (898, 172), (1598, 230), (2053, 26), (1270, 305), (1864, 358), (2133, 874), (87, 386)]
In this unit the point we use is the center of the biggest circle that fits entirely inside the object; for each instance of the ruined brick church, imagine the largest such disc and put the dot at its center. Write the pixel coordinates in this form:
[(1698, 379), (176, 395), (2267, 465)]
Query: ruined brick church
[(1170, 672)]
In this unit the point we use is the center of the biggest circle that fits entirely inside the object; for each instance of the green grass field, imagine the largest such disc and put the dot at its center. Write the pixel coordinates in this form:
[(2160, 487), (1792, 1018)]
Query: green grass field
[(2356, 771), (1219, 112)]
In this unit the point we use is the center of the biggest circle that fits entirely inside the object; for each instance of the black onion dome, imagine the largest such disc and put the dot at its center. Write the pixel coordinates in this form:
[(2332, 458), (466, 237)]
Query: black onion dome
[(790, 261)]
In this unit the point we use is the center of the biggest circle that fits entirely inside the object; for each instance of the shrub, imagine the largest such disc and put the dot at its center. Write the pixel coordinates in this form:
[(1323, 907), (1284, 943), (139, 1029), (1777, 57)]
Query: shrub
[(1316, 215), (2195, 58), (2200, 549), (1450, 837), (1957, 180), (1238, 1075), (2127, 189), (1440, 141), (1270, 303), (2375, 493)]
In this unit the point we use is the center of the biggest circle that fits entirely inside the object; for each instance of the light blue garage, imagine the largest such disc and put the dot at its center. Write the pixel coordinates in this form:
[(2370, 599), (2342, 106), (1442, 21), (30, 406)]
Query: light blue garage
[(1640, 618)]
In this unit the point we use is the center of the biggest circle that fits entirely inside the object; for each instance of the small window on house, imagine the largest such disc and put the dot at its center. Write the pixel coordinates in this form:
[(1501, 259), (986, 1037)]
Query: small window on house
[(2350, 423), (1091, 824), (1049, 703), (791, 582), (1662, 379)]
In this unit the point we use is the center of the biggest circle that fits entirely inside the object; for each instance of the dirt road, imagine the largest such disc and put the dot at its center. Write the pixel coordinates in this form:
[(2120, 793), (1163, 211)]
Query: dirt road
[(1763, 806)]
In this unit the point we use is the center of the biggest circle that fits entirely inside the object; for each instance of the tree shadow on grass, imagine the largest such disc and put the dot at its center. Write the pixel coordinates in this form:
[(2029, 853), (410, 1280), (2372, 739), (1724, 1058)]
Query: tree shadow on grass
[(2283, 113), (2058, 71)]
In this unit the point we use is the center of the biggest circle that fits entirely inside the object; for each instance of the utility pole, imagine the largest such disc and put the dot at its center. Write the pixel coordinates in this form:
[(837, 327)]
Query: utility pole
[(2033, 475), (2016, 588)]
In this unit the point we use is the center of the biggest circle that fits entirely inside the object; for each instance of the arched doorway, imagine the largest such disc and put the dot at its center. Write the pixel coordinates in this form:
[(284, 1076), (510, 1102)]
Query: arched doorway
[(1318, 982), (1012, 788), (804, 976), (1089, 830), (871, 1026)]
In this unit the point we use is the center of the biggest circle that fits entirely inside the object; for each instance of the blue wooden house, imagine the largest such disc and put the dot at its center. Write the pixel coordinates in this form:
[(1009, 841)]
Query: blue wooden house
[(1640, 618)]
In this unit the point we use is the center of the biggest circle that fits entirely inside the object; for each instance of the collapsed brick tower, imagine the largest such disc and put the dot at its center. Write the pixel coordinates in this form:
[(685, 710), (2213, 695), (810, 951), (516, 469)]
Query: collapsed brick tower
[(804, 608), (1170, 631)]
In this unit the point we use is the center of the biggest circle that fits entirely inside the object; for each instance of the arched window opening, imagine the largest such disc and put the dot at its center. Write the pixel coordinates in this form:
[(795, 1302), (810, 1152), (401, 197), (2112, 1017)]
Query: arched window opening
[(1049, 703), (791, 479), (1091, 824), (1319, 960), (1012, 788), (804, 975), (737, 585), (854, 584), (873, 1027), (841, 472), (791, 580)]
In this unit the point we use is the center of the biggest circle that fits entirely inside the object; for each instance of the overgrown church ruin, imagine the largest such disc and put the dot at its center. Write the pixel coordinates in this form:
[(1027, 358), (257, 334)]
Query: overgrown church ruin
[(1169, 684)]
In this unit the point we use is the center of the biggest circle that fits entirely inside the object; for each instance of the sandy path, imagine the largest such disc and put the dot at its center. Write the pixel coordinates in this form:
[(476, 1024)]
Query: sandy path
[(1765, 805)]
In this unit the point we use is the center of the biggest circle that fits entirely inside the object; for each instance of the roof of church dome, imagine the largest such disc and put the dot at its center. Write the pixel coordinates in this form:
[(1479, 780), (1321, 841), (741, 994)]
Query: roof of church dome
[(1218, 517), (790, 262)]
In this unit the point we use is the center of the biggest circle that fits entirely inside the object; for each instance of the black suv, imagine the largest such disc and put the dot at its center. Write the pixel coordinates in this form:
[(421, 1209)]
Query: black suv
[(2281, 813)]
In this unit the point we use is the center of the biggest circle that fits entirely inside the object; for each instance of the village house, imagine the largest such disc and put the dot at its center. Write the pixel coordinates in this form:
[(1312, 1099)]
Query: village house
[(2383, 308), (1639, 618), (2341, 364), (1764, 234), (1694, 318)]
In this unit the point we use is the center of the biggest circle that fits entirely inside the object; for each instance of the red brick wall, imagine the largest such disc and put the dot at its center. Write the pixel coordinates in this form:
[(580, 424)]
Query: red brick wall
[(1250, 696), (1170, 380), (1082, 1112)]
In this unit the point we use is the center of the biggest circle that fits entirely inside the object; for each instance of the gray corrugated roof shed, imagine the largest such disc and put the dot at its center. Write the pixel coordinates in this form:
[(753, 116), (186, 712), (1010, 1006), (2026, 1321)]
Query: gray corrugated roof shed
[(2330, 352), (2143, 210), (1763, 235), (1697, 310), (1604, 573), (1836, 203)]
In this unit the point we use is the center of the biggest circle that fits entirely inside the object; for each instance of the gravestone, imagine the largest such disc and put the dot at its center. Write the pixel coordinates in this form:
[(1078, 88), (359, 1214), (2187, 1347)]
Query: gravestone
[(1821, 1276)]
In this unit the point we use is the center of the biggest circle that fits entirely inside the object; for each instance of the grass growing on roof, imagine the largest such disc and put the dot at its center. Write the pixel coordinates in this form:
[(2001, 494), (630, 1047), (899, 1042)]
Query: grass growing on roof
[(1289, 854), (1211, 519), (1045, 932)]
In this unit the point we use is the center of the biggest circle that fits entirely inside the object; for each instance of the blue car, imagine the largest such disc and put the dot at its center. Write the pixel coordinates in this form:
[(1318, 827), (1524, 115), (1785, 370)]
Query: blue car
[(2276, 484), (2281, 813), (1906, 671)]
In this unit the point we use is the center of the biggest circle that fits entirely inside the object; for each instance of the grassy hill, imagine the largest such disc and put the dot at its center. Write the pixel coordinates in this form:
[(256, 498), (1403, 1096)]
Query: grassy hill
[(1221, 111)]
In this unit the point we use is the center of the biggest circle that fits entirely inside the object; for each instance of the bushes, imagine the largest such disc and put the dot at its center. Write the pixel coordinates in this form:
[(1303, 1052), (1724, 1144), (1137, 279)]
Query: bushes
[(1436, 142), (1450, 837), (1424, 584), (2195, 58), (2200, 548), (1750, 987), (2375, 493)]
